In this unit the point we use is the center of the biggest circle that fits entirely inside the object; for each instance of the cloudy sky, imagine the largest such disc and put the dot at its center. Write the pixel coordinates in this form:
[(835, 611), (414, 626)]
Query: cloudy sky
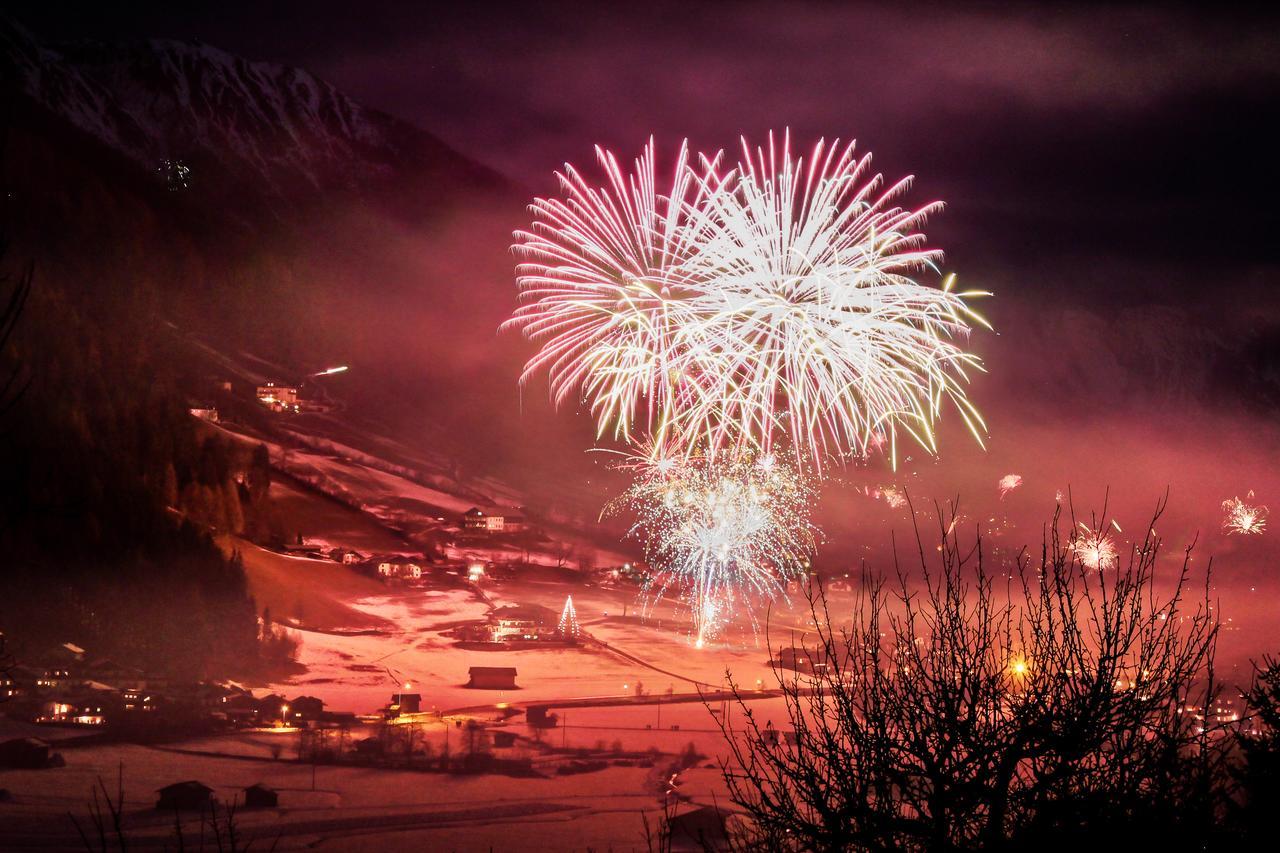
[(1124, 137)]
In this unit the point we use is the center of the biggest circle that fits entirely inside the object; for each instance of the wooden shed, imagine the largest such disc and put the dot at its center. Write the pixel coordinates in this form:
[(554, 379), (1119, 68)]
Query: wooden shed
[(187, 795), (260, 797), (493, 678)]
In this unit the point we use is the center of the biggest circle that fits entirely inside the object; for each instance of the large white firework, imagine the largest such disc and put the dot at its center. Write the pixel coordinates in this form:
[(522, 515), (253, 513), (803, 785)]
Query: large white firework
[(724, 533), (774, 299)]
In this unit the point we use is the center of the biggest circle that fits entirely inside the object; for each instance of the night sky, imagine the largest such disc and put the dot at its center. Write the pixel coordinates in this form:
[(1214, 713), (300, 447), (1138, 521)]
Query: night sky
[(1127, 146)]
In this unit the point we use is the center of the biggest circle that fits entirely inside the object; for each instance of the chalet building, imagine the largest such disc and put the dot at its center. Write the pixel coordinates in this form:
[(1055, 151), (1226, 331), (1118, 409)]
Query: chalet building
[(304, 549), (523, 622), (66, 654), (184, 796), (809, 661), (141, 701), (305, 709), (702, 828), (399, 567), (492, 678), (404, 703), (272, 707), (107, 671), (54, 677), (260, 797), (205, 412), (59, 665), (494, 519), (240, 709), (278, 398), (89, 709), (16, 681), (24, 753), (346, 556)]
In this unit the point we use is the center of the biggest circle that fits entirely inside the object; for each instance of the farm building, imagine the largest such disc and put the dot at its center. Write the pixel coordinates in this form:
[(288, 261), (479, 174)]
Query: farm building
[(24, 753), (260, 797), (398, 567), (492, 678), (184, 796), (523, 622), (494, 519)]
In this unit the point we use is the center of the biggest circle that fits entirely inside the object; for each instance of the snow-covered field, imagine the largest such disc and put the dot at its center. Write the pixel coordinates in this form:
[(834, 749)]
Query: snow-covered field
[(348, 809)]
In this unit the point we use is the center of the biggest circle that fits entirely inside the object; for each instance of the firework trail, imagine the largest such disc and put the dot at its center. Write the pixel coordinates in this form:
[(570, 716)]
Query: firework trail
[(1243, 518), (722, 532), (771, 300)]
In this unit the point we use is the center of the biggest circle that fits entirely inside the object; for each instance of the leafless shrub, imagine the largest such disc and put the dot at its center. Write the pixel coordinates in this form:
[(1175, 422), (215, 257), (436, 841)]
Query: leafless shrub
[(981, 707)]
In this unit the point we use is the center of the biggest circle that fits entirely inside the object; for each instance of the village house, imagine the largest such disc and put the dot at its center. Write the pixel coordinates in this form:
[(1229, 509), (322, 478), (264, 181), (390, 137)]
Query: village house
[(278, 398), (25, 753), (403, 703), (259, 796), (186, 796), (139, 700), (492, 678), (398, 567), (523, 622), (205, 412), (305, 709), (346, 556), (87, 708), (53, 677), (108, 672), (494, 519), (16, 681)]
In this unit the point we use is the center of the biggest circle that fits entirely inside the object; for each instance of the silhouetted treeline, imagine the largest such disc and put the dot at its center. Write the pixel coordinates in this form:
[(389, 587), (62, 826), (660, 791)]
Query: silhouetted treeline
[(110, 489)]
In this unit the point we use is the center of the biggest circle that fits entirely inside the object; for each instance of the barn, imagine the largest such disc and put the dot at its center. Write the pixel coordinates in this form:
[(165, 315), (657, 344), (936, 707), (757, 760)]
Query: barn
[(492, 678)]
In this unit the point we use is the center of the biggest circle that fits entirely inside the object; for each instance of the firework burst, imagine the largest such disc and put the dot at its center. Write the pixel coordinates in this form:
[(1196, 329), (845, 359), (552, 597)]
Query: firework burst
[(1244, 518), (772, 300), (1008, 483), (1095, 549), (722, 532)]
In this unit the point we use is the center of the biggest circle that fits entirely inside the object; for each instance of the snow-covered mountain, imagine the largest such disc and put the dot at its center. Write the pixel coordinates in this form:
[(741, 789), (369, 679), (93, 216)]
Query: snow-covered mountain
[(245, 126)]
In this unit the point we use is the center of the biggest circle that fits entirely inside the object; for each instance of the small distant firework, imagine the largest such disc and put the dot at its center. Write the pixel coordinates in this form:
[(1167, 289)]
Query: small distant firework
[(1094, 548), (774, 300), (1244, 518), (722, 533), (893, 496), (1008, 483), (176, 174)]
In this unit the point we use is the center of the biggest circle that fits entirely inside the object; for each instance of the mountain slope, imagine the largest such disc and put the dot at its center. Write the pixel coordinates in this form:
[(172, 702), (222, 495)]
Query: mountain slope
[(242, 126)]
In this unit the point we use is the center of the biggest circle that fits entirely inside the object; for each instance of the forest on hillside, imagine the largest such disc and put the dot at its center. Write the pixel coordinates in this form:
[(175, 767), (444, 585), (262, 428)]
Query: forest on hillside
[(113, 491)]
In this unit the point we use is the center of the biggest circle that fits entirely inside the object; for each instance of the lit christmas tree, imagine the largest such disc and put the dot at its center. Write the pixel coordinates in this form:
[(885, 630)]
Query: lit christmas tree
[(568, 626)]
